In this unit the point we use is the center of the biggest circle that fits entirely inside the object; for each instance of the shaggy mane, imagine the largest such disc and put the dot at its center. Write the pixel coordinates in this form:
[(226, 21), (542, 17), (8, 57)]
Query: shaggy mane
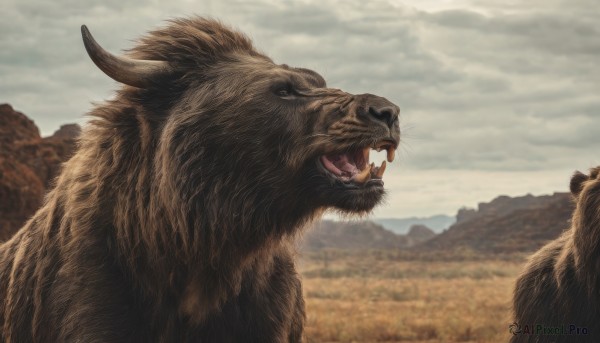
[(175, 219)]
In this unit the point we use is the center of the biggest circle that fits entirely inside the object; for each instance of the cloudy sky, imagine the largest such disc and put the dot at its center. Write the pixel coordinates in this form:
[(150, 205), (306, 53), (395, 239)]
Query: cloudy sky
[(497, 96)]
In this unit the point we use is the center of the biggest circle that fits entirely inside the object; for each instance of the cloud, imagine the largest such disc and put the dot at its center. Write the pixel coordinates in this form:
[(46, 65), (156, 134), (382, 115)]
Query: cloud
[(484, 86)]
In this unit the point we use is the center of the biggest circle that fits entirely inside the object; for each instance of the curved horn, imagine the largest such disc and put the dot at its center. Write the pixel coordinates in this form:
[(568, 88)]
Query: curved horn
[(136, 73)]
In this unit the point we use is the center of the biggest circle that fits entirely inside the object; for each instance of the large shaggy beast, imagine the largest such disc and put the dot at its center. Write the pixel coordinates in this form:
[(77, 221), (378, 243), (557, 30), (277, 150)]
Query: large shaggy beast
[(174, 220), (557, 298)]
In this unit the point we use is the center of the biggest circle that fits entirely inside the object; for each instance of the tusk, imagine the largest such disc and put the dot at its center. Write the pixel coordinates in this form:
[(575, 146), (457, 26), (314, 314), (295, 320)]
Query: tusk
[(132, 72)]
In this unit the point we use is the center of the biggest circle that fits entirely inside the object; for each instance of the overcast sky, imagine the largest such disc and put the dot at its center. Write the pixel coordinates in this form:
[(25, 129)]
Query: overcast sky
[(497, 97)]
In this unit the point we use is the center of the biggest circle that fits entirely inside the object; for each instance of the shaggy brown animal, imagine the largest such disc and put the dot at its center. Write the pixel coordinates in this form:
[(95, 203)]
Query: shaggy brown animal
[(175, 218), (560, 287)]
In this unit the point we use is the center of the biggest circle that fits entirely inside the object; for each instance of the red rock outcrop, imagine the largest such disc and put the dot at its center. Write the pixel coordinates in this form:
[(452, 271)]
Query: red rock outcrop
[(28, 164)]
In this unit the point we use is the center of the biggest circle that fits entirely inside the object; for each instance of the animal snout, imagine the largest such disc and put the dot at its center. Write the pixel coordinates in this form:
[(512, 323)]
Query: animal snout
[(381, 110), (386, 114)]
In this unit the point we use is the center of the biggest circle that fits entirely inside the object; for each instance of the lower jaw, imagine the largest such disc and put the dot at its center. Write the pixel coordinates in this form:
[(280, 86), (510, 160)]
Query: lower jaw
[(372, 182), (356, 201), (328, 192), (368, 184)]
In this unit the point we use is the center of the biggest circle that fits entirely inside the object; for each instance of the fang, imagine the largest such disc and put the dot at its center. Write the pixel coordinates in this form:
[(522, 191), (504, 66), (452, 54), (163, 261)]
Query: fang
[(391, 153), (381, 170), (364, 176)]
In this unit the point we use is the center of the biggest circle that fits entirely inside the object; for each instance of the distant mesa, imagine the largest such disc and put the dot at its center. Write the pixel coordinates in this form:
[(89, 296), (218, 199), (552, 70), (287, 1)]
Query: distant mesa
[(420, 233), (465, 214), (506, 225), (437, 223), (503, 205), (28, 163), (67, 131), (358, 235), (361, 235)]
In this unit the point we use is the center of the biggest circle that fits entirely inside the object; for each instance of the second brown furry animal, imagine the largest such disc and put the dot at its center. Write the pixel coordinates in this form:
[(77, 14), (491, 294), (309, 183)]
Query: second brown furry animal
[(560, 287)]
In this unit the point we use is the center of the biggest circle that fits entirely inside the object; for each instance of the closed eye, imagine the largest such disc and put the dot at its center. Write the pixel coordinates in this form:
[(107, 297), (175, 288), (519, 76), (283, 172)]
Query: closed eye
[(285, 90)]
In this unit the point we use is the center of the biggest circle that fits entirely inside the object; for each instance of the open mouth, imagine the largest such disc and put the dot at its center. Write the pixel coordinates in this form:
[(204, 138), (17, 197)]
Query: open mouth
[(352, 166)]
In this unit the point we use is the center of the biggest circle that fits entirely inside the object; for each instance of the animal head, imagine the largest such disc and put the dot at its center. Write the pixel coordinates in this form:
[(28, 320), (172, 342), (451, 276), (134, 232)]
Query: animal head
[(226, 118)]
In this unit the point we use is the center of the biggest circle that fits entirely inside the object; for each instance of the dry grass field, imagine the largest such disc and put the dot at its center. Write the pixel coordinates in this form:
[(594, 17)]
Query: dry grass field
[(387, 297)]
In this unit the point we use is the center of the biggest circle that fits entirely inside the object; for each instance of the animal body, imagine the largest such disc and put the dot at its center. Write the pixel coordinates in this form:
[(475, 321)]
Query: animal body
[(557, 298), (174, 220)]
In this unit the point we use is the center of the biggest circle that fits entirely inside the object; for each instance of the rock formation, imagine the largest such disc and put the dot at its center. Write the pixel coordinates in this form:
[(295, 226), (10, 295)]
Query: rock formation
[(28, 163)]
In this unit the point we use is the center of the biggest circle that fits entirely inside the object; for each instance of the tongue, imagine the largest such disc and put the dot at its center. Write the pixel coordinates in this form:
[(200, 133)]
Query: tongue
[(346, 166), (343, 163)]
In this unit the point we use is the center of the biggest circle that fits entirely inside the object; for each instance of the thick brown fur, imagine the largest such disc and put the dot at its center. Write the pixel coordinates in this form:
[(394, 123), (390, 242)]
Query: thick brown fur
[(174, 220), (560, 287)]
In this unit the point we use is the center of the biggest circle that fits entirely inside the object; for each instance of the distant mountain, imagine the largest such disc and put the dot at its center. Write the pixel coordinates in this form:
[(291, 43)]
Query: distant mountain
[(351, 236), (437, 223), (506, 224), (360, 235), (420, 233)]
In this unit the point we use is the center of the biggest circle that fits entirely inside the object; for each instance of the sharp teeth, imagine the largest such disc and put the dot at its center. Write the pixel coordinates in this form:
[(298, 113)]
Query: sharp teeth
[(366, 152), (363, 176), (381, 170), (391, 153)]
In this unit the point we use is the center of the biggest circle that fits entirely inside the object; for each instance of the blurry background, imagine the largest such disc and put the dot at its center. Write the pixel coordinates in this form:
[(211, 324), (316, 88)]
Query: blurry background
[(499, 106)]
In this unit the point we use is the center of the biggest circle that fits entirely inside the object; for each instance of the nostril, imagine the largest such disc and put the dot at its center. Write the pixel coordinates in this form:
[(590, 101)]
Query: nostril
[(374, 112), (386, 114)]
